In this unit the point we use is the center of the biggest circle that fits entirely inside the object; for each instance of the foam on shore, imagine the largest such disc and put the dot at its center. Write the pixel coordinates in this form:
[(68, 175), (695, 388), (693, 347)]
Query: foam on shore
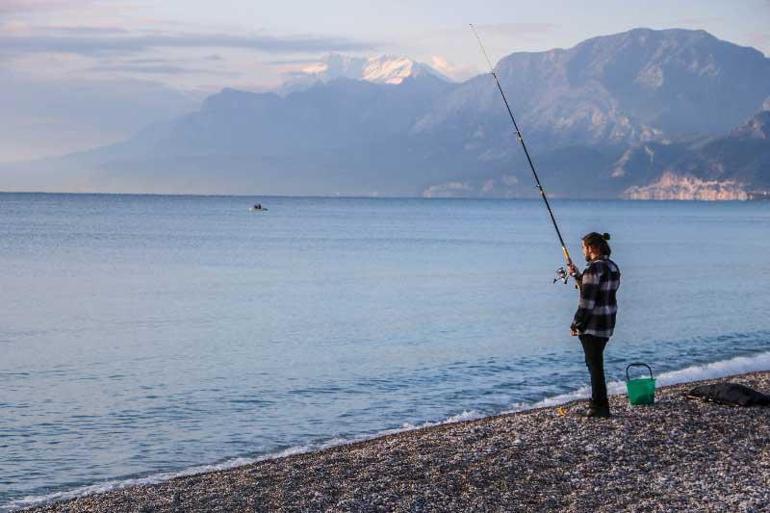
[(720, 369)]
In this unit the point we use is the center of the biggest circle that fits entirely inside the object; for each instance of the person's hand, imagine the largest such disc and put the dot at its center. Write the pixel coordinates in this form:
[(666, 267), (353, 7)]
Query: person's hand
[(572, 269), (573, 332)]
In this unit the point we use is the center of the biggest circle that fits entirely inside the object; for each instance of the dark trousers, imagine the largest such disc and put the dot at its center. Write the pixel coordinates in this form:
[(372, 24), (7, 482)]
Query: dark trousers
[(593, 347)]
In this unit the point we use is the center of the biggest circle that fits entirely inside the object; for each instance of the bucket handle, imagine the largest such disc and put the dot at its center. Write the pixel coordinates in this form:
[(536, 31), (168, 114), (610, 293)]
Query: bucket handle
[(638, 364)]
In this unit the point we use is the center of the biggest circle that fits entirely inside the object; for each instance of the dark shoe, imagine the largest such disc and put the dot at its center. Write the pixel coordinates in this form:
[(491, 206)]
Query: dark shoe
[(602, 412)]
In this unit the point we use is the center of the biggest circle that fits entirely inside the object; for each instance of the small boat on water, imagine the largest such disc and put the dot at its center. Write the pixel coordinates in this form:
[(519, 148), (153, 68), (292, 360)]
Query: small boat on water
[(258, 208)]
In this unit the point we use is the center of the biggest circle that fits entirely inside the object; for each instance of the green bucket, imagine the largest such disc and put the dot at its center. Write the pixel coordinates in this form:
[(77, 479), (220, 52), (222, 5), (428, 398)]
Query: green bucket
[(640, 390)]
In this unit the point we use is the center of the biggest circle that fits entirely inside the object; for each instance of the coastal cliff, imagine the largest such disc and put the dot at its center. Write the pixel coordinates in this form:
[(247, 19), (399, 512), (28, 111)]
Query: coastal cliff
[(673, 187)]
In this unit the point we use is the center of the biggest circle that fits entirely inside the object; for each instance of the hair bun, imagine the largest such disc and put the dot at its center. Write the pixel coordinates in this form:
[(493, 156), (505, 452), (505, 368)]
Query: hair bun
[(606, 236)]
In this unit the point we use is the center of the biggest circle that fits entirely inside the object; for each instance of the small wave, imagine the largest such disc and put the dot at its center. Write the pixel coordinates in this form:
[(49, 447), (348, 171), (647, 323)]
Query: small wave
[(225, 465), (108, 486), (737, 365)]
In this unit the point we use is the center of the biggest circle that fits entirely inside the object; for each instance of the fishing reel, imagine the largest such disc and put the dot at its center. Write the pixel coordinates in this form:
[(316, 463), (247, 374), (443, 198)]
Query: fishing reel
[(561, 275)]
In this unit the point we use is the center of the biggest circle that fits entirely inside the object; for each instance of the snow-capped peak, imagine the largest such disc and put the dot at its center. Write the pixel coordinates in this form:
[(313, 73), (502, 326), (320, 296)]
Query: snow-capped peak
[(385, 69), (393, 70)]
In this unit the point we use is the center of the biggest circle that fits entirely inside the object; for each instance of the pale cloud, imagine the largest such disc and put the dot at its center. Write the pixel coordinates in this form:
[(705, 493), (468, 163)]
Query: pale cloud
[(13, 27), (291, 62), (156, 69), (451, 69), (85, 31), (169, 66), (442, 65), (24, 6), (94, 41)]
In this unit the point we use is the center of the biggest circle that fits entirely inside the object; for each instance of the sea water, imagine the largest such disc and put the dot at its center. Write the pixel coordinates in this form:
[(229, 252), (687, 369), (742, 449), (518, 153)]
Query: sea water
[(144, 336)]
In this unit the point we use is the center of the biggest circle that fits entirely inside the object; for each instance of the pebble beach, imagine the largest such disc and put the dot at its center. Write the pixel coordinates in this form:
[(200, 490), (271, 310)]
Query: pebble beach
[(681, 454)]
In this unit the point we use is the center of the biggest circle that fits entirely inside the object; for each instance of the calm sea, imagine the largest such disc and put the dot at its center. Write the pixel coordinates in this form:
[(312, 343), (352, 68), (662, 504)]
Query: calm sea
[(143, 336)]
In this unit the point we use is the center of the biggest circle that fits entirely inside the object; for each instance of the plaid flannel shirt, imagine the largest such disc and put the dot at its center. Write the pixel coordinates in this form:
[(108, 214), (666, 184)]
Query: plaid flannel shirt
[(598, 305)]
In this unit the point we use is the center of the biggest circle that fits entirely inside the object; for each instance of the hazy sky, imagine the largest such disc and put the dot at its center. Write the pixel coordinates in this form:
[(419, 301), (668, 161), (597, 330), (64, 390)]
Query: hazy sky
[(78, 73)]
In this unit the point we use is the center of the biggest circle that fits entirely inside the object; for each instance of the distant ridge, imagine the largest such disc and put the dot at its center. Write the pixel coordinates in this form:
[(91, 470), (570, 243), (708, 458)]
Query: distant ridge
[(614, 116), (731, 167)]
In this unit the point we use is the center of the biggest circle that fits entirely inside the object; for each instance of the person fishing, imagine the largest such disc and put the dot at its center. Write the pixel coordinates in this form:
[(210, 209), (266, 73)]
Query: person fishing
[(594, 320), (598, 283)]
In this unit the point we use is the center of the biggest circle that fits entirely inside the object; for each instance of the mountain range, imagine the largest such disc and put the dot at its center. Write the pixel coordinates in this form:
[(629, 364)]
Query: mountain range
[(644, 114)]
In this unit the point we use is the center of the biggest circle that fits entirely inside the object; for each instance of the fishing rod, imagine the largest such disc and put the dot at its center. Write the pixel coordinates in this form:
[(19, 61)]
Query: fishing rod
[(561, 273)]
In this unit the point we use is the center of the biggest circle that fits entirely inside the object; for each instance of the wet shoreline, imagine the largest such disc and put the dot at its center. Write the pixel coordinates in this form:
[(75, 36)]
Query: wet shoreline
[(678, 455)]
